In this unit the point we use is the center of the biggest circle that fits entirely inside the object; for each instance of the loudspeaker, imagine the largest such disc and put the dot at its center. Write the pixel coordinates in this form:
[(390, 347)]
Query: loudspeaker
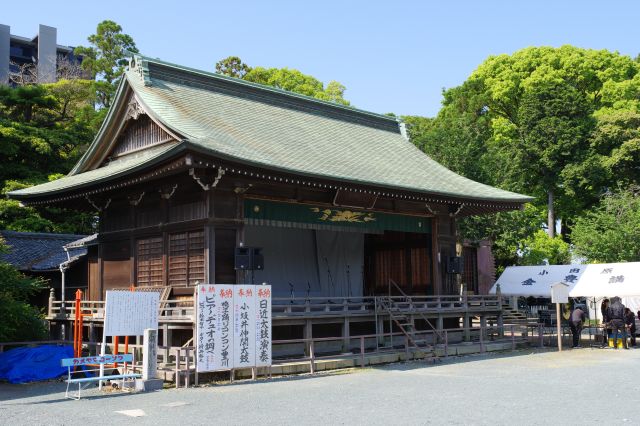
[(249, 258), (243, 258), (257, 259), (455, 265)]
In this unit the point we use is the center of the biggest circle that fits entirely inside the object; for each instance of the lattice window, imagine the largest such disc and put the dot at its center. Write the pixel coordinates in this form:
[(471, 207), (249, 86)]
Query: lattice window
[(186, 258), (149, 262)]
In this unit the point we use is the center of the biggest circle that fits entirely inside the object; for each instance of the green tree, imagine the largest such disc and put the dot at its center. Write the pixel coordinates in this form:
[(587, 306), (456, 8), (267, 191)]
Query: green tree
[(610, 231), (20, 320), (508, 231), (541, 248), (565, 86), (295, 81), (232, 66), (106, 58), (43, 145)]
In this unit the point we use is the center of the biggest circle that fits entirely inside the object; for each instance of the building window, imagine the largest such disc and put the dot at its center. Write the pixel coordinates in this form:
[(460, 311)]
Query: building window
[(149, 262), (186, 258)]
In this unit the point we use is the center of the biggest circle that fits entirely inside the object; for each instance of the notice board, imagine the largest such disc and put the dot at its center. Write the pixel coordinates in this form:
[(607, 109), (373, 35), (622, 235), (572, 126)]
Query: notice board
[(128, 313), (233, 326)]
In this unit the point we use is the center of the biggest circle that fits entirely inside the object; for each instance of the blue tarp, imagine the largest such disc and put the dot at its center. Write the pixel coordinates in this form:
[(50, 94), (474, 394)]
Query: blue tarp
[(22, 365)]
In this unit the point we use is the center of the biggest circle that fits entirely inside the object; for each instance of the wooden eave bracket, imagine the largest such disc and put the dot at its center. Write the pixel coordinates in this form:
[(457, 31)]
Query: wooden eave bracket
[(96, 206), (457, 211), (430, 210), (167, 191), (204, 180), (134, 199)]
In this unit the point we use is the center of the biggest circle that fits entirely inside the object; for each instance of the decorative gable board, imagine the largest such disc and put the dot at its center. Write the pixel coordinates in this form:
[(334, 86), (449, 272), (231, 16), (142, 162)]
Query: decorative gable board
[(139, 134)]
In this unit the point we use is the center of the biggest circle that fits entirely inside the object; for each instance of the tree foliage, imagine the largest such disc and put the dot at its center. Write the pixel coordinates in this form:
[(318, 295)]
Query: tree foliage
[(507, 230), (548, 122), (540, 249), (232, 66), (283, 78), (20, 320), (106, 58), (44, 129), (610, 231)]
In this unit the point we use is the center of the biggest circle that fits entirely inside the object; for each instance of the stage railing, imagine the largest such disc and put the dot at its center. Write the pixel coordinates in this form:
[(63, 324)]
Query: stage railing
[(183, 310)]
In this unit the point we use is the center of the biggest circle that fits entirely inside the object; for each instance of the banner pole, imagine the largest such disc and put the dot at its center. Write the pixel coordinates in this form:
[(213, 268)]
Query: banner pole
[(559, 327)]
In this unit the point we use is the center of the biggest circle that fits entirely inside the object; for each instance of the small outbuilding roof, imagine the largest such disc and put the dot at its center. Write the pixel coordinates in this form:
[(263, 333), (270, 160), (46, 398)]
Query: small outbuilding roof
[(38, 251)]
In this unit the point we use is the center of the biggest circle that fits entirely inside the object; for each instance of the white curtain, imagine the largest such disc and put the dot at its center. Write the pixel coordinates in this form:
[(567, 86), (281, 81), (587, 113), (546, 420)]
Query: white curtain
[(306, 261)]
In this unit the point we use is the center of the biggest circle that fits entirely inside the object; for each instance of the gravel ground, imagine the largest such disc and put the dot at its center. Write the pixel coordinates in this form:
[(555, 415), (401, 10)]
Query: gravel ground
[(586, 386)]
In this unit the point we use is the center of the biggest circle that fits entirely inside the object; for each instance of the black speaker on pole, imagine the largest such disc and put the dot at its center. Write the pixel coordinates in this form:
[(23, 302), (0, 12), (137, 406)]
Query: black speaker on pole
[(249, 258), (455, 265), (257, 259), (243, 258)]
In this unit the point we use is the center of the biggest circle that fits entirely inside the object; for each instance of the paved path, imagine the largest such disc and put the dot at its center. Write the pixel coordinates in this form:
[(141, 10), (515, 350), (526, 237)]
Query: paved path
[(574, 387)]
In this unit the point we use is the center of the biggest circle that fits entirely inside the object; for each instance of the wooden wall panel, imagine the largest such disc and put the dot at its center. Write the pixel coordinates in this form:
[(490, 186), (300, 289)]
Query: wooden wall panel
[(138, 134), (186, 258), (116, 265), (149, 264)]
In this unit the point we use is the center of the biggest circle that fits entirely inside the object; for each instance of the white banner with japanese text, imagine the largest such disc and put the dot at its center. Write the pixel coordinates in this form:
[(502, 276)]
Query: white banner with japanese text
[(263, 325), (229, 331), (244, 331)]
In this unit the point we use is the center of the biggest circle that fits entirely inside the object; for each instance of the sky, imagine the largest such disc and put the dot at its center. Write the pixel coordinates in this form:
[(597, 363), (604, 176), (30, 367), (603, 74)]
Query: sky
[(392, 56)]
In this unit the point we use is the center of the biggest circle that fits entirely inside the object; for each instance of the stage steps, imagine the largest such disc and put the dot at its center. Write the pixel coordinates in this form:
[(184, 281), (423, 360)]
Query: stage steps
[(404, 324)]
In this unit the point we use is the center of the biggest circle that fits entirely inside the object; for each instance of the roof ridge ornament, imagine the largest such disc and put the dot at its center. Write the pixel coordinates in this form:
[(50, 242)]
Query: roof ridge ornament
[(403, 128), (141, 66)]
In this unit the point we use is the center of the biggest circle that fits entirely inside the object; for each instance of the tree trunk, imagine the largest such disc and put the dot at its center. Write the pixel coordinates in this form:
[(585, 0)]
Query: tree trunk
[(551, 216)]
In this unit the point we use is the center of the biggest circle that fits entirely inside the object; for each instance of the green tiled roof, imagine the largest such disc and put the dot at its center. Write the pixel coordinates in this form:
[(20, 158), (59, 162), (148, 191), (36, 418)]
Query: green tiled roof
[(273, 129), (114, 170)]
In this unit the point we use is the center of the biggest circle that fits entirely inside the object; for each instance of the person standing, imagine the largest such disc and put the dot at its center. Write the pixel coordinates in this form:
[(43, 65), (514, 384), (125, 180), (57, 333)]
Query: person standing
[(576, 321), (630, 322), (615, 314), (605, 321)]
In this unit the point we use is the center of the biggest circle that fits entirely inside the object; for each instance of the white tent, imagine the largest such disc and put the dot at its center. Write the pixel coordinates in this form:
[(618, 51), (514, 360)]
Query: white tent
[(593, 282), (537, 280)]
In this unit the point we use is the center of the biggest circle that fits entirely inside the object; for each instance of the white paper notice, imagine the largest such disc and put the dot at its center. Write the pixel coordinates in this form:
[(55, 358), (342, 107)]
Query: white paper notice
[(263, 325), (214, 327), (244, 330), (233, 326), (128, 313)]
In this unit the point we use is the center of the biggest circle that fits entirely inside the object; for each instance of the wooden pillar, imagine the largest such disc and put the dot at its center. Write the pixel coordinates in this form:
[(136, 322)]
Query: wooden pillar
[(483, 326), (209, 241), (435, 256), (166, 341), (100, 272), (308, 334), (346, 341), (440, 324), (467, 331)]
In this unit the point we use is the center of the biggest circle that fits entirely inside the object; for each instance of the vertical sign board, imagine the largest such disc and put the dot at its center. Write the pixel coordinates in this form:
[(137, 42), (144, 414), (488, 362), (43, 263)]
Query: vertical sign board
[(129, 313), (233, 322), (214, 327), (244, 330), (224, 337), (263, 325)]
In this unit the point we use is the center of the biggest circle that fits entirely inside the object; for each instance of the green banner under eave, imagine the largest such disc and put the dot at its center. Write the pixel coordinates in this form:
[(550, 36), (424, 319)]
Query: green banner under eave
[(263, 211)]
